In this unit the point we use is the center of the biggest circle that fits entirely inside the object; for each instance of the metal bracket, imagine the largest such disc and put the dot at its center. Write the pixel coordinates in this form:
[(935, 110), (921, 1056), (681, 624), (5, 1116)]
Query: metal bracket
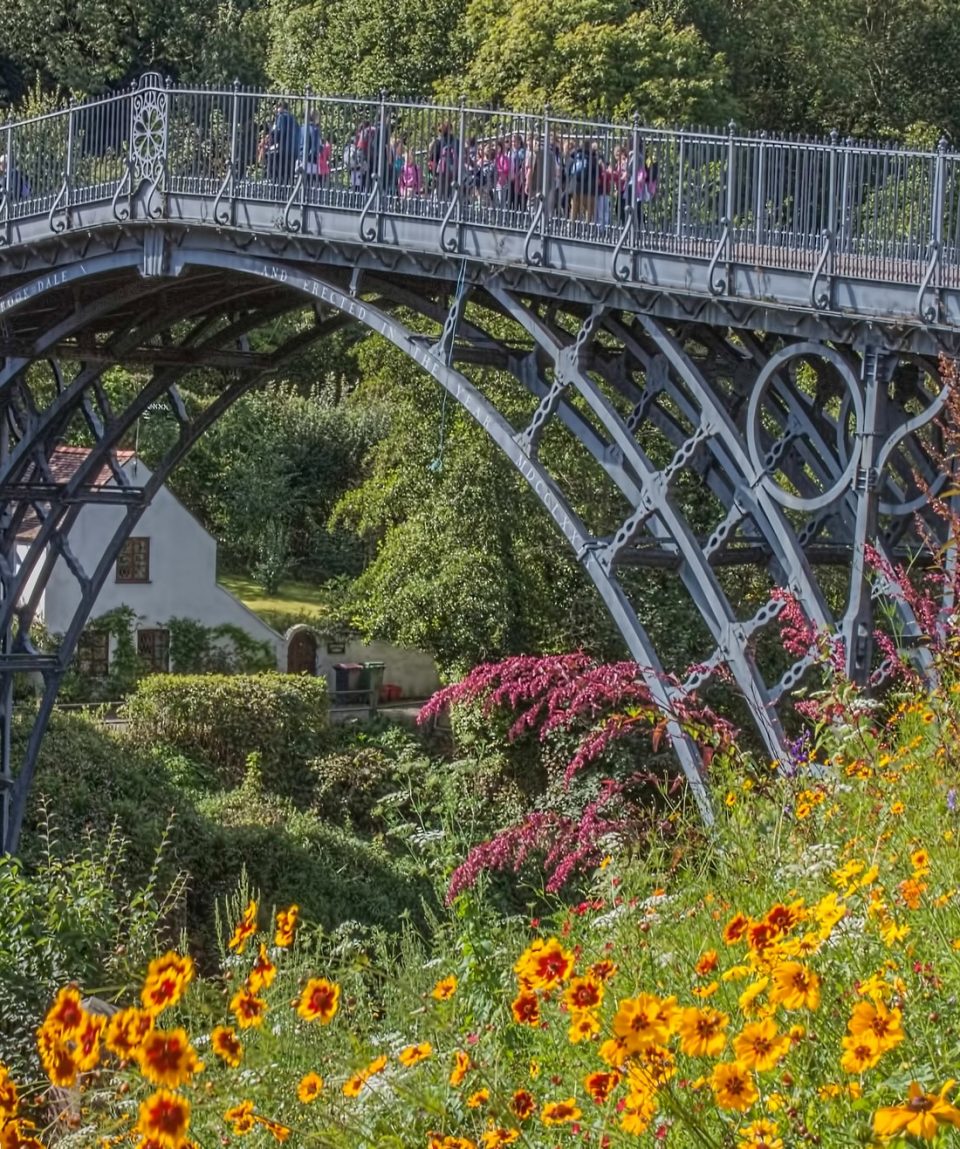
[(288, 223), (930, 314), (537, 257), (159, 211), (123, 213), (221, 216), (368, 235), (4, 217), (622, 273), (59, 226), (446, 245), (821, 301), (718, 286)]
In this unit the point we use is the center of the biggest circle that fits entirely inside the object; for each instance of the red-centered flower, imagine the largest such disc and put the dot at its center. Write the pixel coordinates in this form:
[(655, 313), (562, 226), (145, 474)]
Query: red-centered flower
[(319, 1001)]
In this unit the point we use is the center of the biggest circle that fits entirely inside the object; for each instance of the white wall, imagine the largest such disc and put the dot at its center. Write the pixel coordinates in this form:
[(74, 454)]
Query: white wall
[(412, 670), (183, 570), (22, 549)]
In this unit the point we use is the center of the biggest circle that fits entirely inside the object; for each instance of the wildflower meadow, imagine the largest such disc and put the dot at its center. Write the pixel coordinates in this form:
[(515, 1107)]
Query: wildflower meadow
[(789, 978)]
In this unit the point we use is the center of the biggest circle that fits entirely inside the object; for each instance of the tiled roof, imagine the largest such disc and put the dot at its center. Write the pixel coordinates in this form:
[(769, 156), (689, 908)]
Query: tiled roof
[(64, 464)]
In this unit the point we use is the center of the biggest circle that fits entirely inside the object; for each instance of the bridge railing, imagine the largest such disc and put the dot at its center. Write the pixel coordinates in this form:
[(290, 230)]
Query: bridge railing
[(836, 206)]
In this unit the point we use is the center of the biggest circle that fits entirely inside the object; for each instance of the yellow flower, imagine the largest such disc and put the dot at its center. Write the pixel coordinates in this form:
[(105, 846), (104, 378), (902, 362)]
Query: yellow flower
[(461, 1064), (309, 1088), (477, 1099), (247, 1008), (67, 1013), (860, 1052), (760, 1134), (544, 964), (525, 1008), (760, 1046), (445, 988), (560, 1112), (583, 993), (643, 1020), (493, 1137), (733, 1086), (876, 1019), (637, 1113), (263, 973), (701, 1032), (921, 1115), (167, 978), (244, 929), (747, 999), (582, 1027), (650, 1068), (319, 1001), (226, 1045), (412, 1054), (897, 809), (126, 1030), (286, 926), (164, 1118), (9, 1099), (166, 1057), (795, 986)]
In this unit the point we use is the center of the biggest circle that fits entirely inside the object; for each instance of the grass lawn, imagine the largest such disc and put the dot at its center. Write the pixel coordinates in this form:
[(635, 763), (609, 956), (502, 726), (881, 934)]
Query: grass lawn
[(292, 597)]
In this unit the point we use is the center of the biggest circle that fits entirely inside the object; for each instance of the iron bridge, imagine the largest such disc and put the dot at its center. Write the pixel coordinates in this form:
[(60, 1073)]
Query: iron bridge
[(762, 334)]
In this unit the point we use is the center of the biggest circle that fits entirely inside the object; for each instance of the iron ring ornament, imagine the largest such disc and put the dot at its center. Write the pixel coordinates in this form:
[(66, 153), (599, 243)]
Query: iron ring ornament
[(854, 398), (148, 133)]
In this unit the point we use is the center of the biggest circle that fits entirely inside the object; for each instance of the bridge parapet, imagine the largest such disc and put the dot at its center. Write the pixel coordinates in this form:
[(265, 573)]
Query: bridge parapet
[(829, 226)]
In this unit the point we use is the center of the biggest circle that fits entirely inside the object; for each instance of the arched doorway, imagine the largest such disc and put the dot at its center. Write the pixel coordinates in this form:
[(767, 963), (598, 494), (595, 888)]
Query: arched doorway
[(301, 651)]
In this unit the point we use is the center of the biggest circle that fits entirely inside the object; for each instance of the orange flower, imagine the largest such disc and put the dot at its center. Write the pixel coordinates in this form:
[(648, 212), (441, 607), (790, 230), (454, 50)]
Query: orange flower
[(560, 1112), (651, 1068), (310, 1087), (641, 1021), (861, 1052), (544, 964), (583, 993), (494, 1137), (461, 1063), (286, 926), (277, 1131), (480, 1097), (319, 1001), (167, 979), (707, 963), (782, 919), (582, 1027), (523, 1104), (921, 1115), (244, 930), (759, 1046), (884, 1024), (356, 1083), (734, 930), (67, 1013), (263, 973), (86, 1042), (226, 1045), (701, 1031), (733, 1087), (248, 1008), (9, 1100), (525, 1008), (795, 987), (413, 1054), (614, 1052), (126, 1030), (56, 1056), (445, 988), (637, 1113), (241, 1117), (16, 1135), (602, 970), (164, 1118), (166, 1057), (760, 1134), (601, 1085)]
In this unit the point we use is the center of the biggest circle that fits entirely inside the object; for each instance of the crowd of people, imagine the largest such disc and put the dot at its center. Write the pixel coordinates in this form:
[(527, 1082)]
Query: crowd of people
[(573, 177)]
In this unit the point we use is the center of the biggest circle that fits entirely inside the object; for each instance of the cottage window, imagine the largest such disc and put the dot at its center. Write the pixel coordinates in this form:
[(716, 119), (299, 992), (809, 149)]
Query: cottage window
[(153, 646), (93, 653), (133, 562)]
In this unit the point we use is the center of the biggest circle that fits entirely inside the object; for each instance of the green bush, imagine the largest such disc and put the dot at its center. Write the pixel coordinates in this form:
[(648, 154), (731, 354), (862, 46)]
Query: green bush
[(73, 916), (221, 719)]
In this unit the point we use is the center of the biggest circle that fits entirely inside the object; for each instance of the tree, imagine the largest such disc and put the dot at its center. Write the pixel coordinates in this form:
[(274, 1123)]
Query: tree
[(590, 58)]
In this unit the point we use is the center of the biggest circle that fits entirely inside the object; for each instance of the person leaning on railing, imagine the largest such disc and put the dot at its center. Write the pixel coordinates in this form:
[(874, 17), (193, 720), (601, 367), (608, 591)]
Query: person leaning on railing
[(17, 186)]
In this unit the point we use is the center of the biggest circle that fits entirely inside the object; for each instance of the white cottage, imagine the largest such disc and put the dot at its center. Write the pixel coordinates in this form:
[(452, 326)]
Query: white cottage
[(167, 569)]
